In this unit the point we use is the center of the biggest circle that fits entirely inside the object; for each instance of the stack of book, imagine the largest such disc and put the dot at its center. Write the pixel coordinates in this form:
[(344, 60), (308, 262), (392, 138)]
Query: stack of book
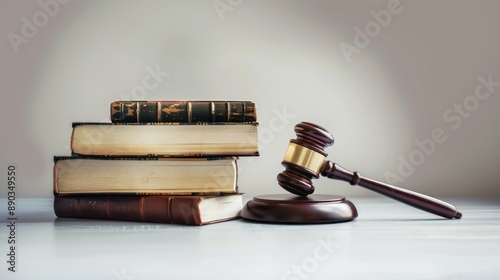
[(158, 161)]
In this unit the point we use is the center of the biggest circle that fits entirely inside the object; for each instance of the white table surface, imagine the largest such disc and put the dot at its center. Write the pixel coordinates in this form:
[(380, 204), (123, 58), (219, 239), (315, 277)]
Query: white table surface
[(388, 240)]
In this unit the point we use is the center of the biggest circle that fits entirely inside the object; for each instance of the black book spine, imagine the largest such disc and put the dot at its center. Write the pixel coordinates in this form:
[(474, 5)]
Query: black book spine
[(183, 111)]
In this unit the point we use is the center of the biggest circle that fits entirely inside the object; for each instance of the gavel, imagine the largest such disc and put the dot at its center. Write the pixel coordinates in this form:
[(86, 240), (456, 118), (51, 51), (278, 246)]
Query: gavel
[(305, 159)]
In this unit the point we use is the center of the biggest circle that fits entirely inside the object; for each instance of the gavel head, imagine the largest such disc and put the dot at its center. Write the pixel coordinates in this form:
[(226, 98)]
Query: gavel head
[(304, 158)]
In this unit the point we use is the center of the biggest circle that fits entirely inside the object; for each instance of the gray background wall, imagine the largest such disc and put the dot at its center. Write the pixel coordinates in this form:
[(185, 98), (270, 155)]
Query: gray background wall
[(397, 82)]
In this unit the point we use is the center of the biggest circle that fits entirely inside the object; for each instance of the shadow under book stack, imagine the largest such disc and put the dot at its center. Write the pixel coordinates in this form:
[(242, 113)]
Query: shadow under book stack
[(158, 161)]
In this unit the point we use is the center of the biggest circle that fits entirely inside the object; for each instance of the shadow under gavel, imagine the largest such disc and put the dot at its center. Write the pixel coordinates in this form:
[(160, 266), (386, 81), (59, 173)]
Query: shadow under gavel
[(305, 159)]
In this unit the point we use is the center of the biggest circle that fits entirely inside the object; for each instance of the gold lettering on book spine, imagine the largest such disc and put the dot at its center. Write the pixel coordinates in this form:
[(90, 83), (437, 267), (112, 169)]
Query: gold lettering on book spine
[(116, 110)]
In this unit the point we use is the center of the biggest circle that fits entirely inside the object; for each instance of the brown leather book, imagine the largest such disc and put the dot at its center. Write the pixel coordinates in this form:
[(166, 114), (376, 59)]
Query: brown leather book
[(187, 210), (182, 111)]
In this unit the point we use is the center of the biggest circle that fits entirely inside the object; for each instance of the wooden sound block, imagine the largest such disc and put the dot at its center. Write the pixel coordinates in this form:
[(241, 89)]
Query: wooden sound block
[(288, 208)]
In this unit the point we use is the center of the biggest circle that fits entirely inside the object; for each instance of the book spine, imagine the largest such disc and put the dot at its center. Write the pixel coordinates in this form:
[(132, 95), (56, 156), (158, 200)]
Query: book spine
[(183, 111), (155, 209)]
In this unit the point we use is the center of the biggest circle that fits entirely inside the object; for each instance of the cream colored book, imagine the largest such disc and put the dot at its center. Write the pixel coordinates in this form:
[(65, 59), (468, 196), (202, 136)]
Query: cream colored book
[(165, 139), (145, 176)]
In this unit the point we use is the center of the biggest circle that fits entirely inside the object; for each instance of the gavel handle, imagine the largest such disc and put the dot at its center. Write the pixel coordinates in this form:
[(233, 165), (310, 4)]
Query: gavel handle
[(417, 200)]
